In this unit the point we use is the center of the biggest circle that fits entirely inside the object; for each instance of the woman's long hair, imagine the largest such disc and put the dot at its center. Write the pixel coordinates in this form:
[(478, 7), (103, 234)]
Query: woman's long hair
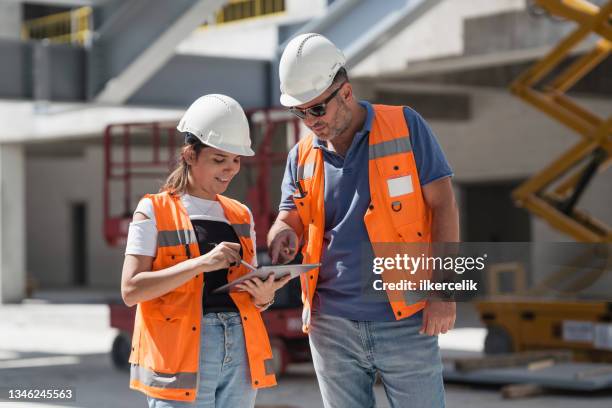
[(177, 181)]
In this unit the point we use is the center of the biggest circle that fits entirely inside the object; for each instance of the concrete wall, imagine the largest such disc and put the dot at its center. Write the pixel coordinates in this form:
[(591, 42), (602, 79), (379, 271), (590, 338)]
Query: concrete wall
[(53, 184), (33, 69), (508, 139), (59, 72), (439, 33), (512, 30), (250, 39)]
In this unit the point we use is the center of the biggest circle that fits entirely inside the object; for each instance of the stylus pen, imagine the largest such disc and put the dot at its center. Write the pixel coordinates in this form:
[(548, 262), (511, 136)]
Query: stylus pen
[(248, 265)]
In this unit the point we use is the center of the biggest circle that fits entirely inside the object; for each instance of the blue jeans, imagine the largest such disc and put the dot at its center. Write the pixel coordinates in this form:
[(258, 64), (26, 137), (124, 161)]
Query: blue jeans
[(225, 378), (347, 354)]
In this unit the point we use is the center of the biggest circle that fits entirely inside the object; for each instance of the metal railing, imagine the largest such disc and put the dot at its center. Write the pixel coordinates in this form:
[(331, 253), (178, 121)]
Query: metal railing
[(244, 9), (73, 27)]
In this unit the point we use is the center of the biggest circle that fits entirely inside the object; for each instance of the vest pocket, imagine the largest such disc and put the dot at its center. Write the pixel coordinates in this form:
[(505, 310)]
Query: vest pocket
[(168, 330), (402, 200), (413, 232), (167, 313), (169, 260)]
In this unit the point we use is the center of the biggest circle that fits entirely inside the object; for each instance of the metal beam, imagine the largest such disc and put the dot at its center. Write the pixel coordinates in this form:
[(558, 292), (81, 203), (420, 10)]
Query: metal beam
[(125, 79)]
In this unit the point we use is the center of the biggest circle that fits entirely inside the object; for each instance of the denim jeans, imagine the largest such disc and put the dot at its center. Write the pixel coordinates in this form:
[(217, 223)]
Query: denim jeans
[(225, 378), (347, 354)]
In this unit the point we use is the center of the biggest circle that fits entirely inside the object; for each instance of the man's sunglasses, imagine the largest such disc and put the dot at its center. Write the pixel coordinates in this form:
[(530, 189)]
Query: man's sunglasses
[(317, 110)]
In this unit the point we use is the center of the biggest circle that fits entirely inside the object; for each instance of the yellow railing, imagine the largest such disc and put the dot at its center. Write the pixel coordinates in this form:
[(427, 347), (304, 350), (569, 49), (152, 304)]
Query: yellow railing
[(68, 27), (243, 9)]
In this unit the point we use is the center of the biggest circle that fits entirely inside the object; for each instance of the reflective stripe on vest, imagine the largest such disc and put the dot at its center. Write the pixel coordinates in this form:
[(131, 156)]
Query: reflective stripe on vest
[(397, 206), (175, 238), (242, 230), (159, 368), (390, 147), (151, 378), (305, 171)]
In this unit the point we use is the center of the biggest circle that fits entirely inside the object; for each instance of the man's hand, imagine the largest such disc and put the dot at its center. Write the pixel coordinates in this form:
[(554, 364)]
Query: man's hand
[(283, 237), (283, 246), (438, 317)]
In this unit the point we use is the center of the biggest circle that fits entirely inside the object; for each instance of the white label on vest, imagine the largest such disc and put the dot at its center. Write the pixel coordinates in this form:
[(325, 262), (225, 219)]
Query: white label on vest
[(400, 186)]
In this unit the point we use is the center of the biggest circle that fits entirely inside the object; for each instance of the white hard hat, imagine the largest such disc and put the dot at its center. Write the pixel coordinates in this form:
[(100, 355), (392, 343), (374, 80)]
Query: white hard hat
[(218, 121), (307, 68)]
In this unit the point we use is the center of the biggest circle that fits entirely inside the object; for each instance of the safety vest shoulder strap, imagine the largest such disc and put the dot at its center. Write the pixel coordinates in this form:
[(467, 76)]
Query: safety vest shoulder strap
[(307, 158), (169, 212), (174, 228), (389, 134), (237, 214)]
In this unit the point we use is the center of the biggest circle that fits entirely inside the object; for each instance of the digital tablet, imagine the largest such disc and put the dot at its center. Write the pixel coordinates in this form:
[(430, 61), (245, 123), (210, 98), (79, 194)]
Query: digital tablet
[(265, 271)]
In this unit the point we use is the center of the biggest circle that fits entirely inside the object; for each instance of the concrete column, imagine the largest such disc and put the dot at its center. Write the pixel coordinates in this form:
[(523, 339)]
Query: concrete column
[(12, 223), (41, 71), (10, 20)]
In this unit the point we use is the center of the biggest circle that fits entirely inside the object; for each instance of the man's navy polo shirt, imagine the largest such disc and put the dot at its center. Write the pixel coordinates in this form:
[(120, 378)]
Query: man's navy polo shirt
[(341, 282)]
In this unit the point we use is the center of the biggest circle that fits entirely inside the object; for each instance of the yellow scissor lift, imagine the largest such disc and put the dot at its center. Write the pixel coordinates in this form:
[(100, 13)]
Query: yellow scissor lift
[(520, 324)]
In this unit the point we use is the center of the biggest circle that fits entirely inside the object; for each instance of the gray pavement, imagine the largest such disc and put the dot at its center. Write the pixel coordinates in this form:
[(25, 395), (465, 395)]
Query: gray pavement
[(68, 345)]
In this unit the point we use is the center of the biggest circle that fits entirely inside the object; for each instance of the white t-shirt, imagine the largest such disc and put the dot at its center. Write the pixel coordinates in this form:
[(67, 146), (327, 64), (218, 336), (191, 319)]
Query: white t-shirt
[(142, 235)]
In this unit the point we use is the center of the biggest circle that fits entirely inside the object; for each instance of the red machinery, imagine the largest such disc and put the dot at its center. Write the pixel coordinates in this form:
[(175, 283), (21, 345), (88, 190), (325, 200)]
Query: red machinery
[(138, 157), (159, 143)]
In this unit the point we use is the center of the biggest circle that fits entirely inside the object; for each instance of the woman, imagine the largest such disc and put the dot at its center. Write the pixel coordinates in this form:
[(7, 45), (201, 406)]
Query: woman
[(189, 343)]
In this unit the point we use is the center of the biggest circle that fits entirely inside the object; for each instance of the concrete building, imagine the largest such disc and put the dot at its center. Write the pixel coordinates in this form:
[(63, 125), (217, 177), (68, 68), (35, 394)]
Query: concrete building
[(146, 60)]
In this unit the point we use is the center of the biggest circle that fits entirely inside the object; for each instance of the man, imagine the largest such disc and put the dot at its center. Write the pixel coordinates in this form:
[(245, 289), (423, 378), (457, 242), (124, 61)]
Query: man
[(368, 174)]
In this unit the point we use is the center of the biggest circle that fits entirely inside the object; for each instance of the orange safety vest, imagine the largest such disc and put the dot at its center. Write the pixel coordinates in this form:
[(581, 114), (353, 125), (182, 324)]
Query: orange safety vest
[(166, 340), (397, 212)]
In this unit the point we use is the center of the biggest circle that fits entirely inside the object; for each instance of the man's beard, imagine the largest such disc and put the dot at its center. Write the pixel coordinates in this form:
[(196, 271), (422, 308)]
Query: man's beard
[(343, 123)]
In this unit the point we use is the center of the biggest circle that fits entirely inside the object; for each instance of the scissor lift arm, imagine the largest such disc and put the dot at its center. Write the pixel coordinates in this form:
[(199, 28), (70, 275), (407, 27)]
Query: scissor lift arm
[(553, 193)]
